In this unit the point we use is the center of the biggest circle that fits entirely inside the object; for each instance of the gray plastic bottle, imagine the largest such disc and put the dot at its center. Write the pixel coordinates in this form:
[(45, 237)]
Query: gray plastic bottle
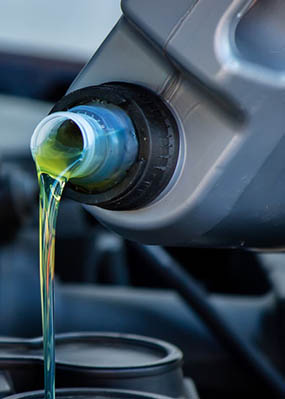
[(219, 66)]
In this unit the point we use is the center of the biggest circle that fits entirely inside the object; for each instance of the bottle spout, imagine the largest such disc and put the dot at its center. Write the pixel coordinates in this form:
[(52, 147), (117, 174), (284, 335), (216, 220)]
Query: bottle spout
[(93, 145)]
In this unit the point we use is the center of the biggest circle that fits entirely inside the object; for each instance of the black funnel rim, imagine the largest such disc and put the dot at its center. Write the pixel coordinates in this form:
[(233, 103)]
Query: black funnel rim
[(89, 393), (170, 354)]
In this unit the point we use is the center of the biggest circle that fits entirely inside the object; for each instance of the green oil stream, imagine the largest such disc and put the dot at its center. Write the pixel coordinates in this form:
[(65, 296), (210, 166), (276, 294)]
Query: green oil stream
[(95, 146), (56, 159)]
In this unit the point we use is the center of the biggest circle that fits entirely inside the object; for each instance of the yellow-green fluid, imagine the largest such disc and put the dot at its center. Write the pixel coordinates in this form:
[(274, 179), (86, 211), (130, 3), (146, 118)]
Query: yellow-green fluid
[(56, 159)]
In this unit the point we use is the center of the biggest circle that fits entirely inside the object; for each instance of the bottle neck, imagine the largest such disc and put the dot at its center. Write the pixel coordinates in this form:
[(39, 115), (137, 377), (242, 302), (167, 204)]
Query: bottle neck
[(108, 143)]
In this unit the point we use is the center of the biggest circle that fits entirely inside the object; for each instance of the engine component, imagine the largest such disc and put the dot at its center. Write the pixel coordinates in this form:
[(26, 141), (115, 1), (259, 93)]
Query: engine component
[(107, 361)]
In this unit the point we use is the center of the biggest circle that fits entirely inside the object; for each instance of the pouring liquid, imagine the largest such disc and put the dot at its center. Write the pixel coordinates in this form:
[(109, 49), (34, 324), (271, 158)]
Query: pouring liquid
[(55, 160), (95, 144)]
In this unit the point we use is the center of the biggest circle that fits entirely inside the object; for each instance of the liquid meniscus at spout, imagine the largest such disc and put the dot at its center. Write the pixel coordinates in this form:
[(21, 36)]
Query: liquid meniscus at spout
[(61, 151)]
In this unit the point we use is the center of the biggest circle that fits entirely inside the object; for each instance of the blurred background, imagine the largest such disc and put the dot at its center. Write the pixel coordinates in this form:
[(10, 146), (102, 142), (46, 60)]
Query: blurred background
[(43, 45), (66, 30)]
